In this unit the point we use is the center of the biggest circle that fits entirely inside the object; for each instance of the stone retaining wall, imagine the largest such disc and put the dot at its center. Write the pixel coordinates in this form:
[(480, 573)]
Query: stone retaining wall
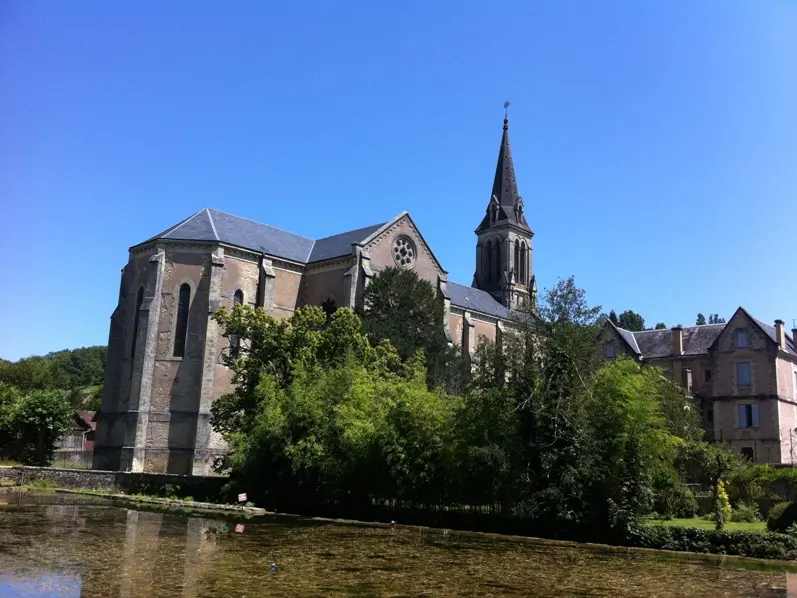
[(207, 488)]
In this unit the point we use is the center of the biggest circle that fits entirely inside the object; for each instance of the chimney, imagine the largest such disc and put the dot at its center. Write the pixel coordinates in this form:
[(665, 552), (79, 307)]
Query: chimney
[(780, 334), (794, 336), (677, 340)]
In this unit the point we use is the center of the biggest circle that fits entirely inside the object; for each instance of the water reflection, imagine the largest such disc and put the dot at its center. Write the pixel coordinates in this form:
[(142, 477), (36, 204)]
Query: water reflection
[(55, 545)]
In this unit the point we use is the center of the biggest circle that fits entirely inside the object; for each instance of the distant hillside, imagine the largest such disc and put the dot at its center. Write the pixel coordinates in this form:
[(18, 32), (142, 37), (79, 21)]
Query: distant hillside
[(77, 371)]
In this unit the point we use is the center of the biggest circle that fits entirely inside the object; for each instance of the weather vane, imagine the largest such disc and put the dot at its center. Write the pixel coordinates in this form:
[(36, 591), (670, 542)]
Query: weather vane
[(506, 109)]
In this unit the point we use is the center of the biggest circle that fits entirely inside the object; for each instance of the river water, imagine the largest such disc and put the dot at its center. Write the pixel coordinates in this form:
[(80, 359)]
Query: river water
[(57, 545)]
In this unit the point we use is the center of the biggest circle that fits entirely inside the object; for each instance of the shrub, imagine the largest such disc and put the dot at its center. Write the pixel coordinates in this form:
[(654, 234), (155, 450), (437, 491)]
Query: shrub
[(674, 500), (781, 516), (746, 514), (691, 539)]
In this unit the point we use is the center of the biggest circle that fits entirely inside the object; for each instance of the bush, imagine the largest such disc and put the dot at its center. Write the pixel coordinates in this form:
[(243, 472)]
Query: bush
[(781, 516), (691, 539), (674, 500), (746, 514)]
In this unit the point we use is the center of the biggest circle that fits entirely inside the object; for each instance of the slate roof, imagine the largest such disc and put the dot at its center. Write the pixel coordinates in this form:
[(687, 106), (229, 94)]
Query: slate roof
[(213, 225), (770, 332), (476, 300), (655, 344)]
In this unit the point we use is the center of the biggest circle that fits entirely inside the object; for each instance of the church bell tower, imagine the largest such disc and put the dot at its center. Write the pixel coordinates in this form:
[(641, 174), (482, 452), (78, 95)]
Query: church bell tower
[(503, 250)]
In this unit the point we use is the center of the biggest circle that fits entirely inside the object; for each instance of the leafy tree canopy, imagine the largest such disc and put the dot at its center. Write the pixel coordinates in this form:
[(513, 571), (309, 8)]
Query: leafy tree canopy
[(631, 320), (31, 422), (64, 370), (407, 312)]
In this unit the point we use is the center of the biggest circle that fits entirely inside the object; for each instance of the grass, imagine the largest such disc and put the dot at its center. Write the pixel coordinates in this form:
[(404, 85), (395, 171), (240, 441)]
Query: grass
[(758, 526)]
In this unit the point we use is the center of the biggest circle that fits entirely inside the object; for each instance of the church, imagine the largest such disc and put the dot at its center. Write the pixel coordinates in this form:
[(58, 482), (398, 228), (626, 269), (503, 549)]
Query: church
[(164, 366)]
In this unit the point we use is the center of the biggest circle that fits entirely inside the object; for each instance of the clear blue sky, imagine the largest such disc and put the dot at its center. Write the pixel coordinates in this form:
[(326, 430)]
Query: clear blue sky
[(655, 143)]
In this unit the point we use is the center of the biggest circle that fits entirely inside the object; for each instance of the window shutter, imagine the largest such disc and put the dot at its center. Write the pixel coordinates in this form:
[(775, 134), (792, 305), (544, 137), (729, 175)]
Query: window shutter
[(742, 417), (755, 416)]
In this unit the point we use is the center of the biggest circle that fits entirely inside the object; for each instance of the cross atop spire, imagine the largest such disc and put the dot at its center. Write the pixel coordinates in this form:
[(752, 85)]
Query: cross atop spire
[(506, 206)]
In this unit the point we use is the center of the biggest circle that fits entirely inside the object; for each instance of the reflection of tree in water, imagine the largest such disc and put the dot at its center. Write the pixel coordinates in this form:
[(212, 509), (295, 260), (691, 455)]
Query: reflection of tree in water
[(142, 553)]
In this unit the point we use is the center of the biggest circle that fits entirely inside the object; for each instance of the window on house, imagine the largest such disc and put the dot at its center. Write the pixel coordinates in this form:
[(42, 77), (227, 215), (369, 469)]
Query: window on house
[(743, 374), (524, 263), (748, 416), (710, 415), (181, 328), (609, 351), (742, 341), (238, 298), (707, 375), (748, 453)]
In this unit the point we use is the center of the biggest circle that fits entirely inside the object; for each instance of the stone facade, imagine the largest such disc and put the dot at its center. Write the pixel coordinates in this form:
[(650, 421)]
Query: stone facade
[(164, 366), (743, 374)]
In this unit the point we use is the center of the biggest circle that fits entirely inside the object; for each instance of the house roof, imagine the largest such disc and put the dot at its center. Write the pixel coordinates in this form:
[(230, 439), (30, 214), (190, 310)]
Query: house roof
[(213, 225), (658, 343), (477, 300), (698, 340), (87, 418)]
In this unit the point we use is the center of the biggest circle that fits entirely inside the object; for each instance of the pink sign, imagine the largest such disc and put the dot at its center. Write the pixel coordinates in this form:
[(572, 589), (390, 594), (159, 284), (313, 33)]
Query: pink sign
[(239, 528), (242, 497)]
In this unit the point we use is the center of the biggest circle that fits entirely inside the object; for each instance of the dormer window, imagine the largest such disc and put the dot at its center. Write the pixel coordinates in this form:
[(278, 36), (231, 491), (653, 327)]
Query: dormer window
[(741, 340)]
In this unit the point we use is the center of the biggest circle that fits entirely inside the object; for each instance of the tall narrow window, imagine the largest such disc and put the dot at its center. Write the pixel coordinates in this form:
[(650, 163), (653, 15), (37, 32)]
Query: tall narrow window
[(524, 263), (488, 270), (235, 341), (139, 301), (181, 329), (497, 264), (518, 267)]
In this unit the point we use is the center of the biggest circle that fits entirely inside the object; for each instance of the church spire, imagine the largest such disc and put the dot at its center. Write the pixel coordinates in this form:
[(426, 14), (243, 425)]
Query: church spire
[(503, 250), (506, 205)]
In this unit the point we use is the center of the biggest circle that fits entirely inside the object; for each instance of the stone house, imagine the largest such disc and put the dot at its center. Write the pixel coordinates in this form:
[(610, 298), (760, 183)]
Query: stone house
[(743, 374), (164, 367)]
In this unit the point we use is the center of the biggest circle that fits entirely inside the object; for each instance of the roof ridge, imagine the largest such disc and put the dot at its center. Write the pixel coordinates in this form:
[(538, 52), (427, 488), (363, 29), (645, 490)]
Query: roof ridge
[(186, 221), (353, 230), (260, 223), (212, 224)]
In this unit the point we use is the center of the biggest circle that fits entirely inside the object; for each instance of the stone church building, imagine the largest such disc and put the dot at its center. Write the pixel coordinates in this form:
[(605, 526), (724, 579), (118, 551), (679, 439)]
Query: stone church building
[(163, 367)]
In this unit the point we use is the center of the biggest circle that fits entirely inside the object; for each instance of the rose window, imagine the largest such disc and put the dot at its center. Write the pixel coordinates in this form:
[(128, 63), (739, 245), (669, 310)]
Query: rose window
[(404, 252)]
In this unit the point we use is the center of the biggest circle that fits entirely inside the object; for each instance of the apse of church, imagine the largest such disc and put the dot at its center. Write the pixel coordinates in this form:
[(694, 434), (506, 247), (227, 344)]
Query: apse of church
[(164, 365)]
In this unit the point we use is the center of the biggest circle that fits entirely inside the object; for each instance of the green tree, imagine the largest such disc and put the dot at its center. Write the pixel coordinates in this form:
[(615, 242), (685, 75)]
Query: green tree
[(406, 311), (613, 318), (319, 415), (637, 425), (631, 321), (31, 422), (712, 319)]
